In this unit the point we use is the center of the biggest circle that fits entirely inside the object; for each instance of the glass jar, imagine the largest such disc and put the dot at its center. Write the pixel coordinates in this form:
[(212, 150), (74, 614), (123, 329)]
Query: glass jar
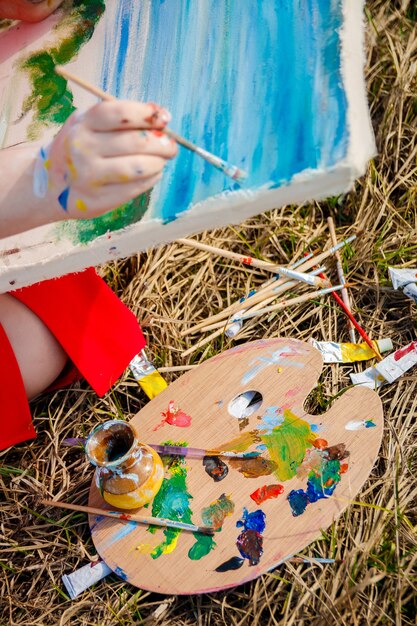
[(128, 474)]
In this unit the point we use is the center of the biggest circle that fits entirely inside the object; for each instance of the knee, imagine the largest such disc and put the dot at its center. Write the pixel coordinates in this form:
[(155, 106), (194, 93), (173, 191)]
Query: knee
[(39, 355)]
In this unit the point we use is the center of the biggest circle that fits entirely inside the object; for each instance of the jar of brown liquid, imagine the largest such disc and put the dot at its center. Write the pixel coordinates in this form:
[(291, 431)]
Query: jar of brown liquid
[(129, 474)]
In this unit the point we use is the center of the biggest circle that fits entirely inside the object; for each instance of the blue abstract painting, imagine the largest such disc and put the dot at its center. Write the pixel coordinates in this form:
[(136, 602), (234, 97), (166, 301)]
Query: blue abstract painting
[(273, 87)]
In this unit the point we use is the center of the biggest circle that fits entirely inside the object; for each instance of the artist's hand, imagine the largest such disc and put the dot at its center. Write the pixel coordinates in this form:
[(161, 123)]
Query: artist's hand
[(28, 10), (103, 158)]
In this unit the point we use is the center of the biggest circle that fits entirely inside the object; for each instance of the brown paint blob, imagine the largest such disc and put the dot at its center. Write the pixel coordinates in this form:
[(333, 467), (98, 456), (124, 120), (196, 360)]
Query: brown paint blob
[(253, 467)]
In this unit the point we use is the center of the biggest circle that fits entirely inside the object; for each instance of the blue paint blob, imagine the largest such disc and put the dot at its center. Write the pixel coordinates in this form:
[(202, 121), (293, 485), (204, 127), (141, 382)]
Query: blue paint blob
[(315, 428), (261, 447), (298, 500), (234, 563), (369, 424), (252, 521), (63, 198)]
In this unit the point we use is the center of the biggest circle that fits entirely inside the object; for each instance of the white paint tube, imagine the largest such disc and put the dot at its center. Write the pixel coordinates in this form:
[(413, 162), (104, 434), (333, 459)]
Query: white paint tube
[(333, 352), (397, 363), (368, 378), (389, 369), (405, 280), (84, 577)]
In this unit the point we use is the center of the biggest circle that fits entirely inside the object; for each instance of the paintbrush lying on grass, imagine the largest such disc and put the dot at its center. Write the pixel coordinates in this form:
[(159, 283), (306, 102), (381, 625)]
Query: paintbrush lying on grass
[(249, 314), (267, 291), (232, 171), (132, 517)]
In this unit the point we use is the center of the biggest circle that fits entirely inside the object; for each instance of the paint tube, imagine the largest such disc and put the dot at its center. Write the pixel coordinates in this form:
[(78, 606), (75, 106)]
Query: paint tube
[(333, 352), (405, 280), (368, 378), (146, 375), (397, 363), (84, 577)]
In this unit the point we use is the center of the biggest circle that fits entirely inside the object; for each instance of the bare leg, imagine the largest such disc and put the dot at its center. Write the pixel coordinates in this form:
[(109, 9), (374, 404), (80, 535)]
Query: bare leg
[(41, 358)]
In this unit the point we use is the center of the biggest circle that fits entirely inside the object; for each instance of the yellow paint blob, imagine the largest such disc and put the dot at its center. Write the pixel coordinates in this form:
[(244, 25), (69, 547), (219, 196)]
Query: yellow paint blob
[(81, 205)]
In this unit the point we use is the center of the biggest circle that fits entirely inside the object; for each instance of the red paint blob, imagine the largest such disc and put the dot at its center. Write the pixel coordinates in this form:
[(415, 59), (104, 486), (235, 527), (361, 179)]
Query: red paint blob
[(176, 417), (266, 492), (344, 468), (247, 260)]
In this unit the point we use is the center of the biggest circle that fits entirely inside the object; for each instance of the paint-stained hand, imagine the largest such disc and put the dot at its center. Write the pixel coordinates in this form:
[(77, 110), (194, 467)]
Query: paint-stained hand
[(103, 158)]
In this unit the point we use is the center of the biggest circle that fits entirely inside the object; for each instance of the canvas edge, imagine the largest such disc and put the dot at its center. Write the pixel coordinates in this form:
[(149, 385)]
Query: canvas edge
[(147, 234), (361, 147)]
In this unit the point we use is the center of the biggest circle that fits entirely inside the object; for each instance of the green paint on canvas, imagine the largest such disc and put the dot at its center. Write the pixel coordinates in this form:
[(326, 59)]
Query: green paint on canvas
[(83, 231), (51, 100), (287, 444)]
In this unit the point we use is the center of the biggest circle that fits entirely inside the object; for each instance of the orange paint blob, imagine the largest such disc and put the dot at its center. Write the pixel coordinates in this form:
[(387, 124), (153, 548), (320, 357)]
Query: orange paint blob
[(320, 444)]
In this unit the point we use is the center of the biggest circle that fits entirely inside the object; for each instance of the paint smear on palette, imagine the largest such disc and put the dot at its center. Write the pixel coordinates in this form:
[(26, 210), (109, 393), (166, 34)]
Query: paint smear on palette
[(241, 443), (119, 534), (272, 417), (172, 502), (322, 480), (360, 424), (243, 422), (121, 573), (250, 540), (254, 467), (213, 515), (287, 444), (278, 357), (266, 493), (215, 468), (174, 416)]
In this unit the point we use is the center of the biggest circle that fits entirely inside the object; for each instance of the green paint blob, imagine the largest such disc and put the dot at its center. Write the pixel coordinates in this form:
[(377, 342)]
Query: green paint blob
[(203, 545), (51, 100), (287, 444), (323, 483), (172, 502)]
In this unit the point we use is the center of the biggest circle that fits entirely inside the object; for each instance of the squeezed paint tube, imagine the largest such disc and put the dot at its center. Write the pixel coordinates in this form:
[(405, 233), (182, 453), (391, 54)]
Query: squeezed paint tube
[(405, 280), (80, 580), (397, 363), (147, 375), (333, 352)]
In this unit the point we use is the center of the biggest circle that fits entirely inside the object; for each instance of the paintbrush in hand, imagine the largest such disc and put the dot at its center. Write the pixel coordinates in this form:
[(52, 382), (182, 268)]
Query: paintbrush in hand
[(232, 171)]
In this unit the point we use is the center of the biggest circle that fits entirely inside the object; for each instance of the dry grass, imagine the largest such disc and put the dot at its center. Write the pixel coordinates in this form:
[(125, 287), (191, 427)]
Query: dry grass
[(374, 580)]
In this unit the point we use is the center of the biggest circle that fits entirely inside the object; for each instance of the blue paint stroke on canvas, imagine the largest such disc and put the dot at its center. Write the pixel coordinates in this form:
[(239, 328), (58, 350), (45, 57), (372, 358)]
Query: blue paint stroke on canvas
[(259, 87)]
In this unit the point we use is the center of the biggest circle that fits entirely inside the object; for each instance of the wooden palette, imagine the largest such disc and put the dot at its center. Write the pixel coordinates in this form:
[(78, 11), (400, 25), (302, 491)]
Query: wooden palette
[(283, 371)]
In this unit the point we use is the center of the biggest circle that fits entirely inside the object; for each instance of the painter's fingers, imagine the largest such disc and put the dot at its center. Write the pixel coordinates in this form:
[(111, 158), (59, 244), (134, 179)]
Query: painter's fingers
[(113, 115), (125, 169), (132, 142), (87, 206)]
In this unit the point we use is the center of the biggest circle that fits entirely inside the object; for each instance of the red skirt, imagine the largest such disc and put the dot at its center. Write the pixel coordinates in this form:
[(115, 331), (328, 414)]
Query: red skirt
[(97, 331)]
